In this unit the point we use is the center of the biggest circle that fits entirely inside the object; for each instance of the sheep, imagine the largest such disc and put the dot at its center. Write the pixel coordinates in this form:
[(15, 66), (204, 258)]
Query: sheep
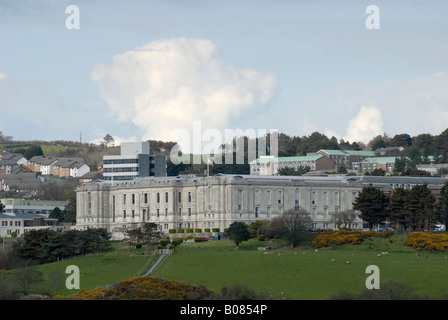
[(347, 262), (333, 260)]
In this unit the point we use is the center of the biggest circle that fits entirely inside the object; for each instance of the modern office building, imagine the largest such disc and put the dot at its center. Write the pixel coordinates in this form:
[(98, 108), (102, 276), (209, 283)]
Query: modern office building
[(134, 161)]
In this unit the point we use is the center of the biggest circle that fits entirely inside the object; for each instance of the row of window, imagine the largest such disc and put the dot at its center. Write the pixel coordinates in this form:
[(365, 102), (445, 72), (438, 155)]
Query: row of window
[(119, 161), (158, 197), (16, 223)]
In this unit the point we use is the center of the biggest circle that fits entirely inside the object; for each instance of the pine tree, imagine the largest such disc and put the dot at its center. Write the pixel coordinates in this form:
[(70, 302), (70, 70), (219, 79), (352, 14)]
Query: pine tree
[(372, 203)]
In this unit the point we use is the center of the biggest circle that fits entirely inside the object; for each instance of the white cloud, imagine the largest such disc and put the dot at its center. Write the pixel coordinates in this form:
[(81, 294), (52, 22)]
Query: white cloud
[(366, 125), (359, 111), (168, 84)]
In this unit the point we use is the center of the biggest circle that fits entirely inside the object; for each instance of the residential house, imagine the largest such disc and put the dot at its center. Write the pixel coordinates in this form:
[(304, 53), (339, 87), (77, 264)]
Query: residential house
[(42, 164), (10, 162)]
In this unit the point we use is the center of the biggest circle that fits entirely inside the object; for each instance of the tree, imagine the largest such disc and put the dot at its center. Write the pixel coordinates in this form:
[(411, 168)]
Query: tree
[(57, 214), (420, 205), (150, 234), (70, 208), (290, 171), (372, 203), (400, 164), (26, 278), (344, 219), (33, 150), (108, 140), (295, 221), (443, 204), (378, 172), (239, 232), (397, 208)]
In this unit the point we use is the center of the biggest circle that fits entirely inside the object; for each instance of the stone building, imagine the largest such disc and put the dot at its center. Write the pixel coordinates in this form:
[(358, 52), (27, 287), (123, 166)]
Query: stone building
[(213, 203)]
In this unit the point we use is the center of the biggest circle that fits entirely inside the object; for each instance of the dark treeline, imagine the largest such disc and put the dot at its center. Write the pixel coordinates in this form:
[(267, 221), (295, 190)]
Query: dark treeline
[(46, 245)]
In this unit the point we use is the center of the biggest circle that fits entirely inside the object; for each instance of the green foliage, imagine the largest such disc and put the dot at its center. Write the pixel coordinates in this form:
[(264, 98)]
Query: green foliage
[(239, 232), (372, 203), (46, 245)]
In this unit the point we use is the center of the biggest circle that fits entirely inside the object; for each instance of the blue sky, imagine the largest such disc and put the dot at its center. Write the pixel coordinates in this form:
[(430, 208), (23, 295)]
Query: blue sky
[(142, 69)]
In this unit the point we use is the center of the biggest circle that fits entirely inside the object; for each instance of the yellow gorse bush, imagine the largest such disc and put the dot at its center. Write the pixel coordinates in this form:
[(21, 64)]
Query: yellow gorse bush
[(145, 288), (427, 240), (339, 237)]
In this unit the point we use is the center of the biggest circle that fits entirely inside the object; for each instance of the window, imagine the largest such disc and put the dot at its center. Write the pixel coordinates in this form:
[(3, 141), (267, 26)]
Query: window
[(124, 199), (313, 198), (89, 203), (158, 197), (336, 199), (256, 212), (133, 213), (180, 197), (240, 199), (296, 197), (210, 199), (180, 212), (146, 198), (133, 199), (279, 193), (158, 213), (280, 211), (166, 196), (256, 197), (124, 214), (268, 212), (189, 196), (268, 197), (189, 212), (324, 196)]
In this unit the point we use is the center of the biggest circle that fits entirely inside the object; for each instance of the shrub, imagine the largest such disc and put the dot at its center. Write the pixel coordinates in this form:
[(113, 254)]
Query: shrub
[(190, 230), (215, 229), (177, 241), (435, 242), (188, 237), (197, 239), (207, 229), (337, 238), (172, 231), (180, 230), (198, 230), (164, 242), (261, 237)]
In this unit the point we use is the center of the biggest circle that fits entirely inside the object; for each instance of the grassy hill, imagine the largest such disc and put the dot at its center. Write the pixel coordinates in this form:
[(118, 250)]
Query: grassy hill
[(296, 274)]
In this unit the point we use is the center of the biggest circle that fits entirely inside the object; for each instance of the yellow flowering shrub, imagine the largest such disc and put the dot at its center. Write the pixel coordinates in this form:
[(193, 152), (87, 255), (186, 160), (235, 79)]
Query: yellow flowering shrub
[(437, 242), (339, 237), (145, 288)]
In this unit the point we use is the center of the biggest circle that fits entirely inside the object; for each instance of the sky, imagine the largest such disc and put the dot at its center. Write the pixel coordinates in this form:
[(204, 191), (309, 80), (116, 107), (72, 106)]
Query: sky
[(190, 70)]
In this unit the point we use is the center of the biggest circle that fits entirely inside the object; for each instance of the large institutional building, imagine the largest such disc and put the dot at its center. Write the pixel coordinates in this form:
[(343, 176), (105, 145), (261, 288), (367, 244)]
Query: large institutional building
[(212, 203)]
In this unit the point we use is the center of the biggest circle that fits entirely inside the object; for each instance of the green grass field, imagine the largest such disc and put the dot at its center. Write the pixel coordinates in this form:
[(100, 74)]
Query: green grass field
[(301, 274), (99, 270), (296, 274)]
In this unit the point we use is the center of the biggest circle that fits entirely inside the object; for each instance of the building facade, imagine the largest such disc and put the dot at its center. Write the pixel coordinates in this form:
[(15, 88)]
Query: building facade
[(134, 161), (190, 202), (269, 165), (202, 203), (17, 224)]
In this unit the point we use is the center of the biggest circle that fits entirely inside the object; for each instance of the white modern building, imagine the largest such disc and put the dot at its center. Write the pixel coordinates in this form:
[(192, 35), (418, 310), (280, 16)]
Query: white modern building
[(134, 161)]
